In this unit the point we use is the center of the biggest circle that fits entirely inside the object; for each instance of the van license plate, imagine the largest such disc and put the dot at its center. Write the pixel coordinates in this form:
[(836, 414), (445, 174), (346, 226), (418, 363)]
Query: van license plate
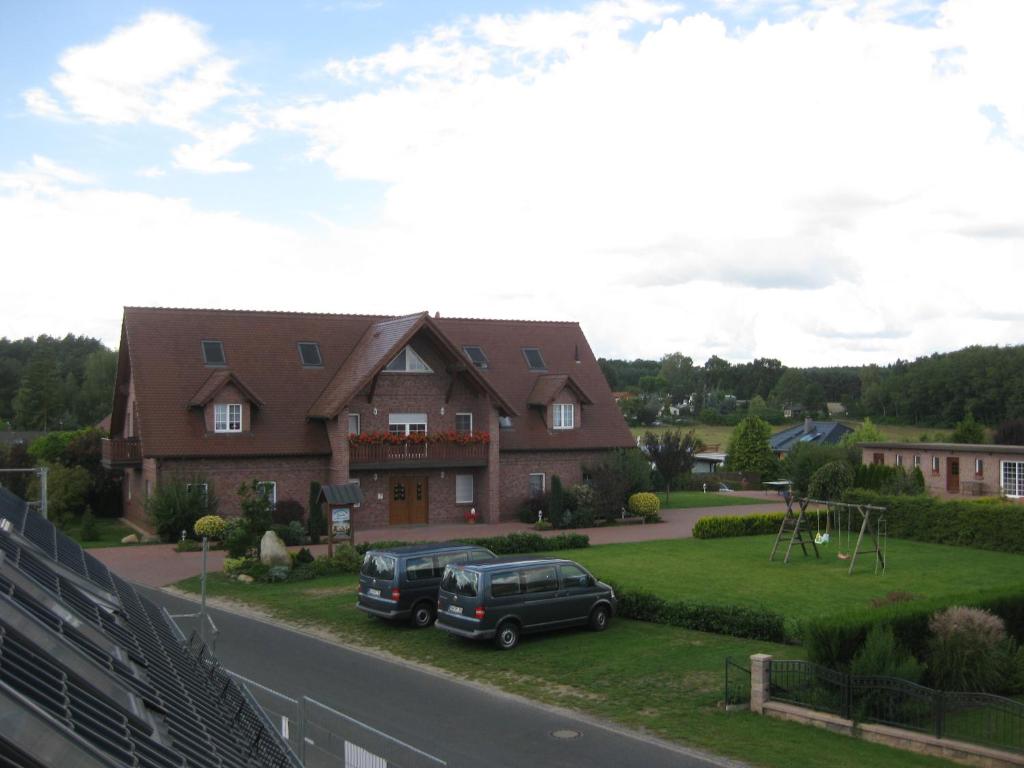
[(454, 609), (373, 592)]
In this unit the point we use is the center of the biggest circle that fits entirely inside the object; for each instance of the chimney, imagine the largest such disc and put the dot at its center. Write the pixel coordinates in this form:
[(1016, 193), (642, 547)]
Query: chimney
[(808, 425)]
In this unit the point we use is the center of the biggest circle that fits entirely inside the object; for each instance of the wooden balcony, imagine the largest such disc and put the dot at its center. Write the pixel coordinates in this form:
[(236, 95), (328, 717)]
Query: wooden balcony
[(421, 456), (121, 452)]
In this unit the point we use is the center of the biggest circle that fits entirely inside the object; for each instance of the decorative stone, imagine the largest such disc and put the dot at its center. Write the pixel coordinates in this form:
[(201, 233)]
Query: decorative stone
[(245, 578), (131, 538), (273, 551)]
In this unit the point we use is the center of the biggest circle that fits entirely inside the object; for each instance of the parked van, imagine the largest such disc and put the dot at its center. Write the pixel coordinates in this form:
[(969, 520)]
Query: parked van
[(401, 582), (502, 598)]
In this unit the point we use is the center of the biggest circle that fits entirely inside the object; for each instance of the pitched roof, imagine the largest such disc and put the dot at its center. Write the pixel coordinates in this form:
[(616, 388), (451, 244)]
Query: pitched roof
[(990, 448), (217, 381), (549, 386), (161, 350), (820, 432)]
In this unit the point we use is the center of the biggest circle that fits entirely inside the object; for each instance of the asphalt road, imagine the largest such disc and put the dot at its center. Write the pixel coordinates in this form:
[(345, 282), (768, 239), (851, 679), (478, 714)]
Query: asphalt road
[(449, 721)]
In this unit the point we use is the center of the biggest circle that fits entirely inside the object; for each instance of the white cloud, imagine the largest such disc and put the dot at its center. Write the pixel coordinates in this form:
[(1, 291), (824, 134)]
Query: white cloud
[(208, 154), (151, 172), (161, 70), (796, 183), (41, 176)]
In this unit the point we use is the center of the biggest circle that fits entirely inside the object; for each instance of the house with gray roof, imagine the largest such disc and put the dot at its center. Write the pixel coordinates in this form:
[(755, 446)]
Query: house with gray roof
[(811, 431)]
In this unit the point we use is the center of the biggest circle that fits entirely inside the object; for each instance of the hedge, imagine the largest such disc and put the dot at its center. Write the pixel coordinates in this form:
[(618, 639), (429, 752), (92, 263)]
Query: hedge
[(510, 544), (834, 640), (752, 623), (727, 526), (983, 524)]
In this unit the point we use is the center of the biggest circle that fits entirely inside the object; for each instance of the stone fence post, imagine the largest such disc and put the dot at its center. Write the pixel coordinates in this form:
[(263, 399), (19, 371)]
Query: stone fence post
[(760, 681)]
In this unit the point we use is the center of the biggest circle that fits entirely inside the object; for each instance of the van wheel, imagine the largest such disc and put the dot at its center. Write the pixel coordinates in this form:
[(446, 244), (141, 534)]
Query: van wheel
[(599, 618), (507, 636), (422, 615)]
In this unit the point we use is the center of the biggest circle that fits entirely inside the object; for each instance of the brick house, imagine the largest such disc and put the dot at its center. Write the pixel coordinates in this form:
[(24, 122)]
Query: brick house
[(432, 416), (956, 469)]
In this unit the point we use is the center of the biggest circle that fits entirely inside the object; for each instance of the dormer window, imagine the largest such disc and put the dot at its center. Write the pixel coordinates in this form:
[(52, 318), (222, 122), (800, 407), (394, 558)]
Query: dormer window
[(476, 356), (309, 354), (213, 353), (407, 361), (563, 416), (534, 359), (227, 417)]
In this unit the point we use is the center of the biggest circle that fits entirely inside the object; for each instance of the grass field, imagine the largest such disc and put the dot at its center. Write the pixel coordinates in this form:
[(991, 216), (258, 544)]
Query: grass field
[(691, 499), (662, 679), (712, 435), (109, 533), (737, 572)]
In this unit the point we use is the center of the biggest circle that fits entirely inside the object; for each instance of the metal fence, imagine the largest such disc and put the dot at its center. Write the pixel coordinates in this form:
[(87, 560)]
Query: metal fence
[(737, 684), (323, 736), (978, 718)]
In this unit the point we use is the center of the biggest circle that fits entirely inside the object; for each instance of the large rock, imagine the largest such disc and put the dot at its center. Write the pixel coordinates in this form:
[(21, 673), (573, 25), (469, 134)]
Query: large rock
[(131, 538), (273, 551), (245, 578)]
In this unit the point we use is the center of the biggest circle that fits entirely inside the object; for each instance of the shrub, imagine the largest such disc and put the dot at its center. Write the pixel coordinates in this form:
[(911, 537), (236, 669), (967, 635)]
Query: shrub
[(347, 559), (210, 526), (188, 545), (238, 541), (232, 565), (277, 573), (889, 480), (646, 505), (806, 458), (88, 531), (969, 650), (519, 543), (582, 499), (177, 505), (620, 473), (754, 623), (315, 522), (830, 481), (292, 534), (249, 566), (556, 505), (297, 532), (728, 526), (304, 556), (982, 524), (257, 510), (67, 492), (543, 525), (287, 511), (882, 655)]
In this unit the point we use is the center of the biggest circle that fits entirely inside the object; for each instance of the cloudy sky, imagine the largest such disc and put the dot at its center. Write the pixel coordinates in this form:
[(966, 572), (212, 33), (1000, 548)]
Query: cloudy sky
[(823, 182)]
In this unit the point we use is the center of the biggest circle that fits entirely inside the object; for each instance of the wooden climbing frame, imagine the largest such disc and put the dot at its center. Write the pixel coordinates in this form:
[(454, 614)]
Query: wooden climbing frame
[(794, 523)]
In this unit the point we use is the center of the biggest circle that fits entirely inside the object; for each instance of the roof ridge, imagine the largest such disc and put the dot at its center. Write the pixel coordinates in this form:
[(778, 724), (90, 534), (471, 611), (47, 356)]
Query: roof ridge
[(508, 320), (222, 311)]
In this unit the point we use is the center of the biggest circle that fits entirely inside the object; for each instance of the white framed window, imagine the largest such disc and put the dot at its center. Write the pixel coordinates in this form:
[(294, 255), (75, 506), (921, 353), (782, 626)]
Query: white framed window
[(563, 416), (353, 424), (935, 465), (899, 459), (1011, 475), (917, 461), (536, 485), (407, 361), (463, 489), (407, 423), (979, 467), (269, 490), (203, 489), (227, 417), (463, 422)]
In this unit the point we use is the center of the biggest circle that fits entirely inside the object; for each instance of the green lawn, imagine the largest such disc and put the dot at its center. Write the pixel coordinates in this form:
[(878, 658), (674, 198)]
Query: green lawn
[(712, 435), (109, 533), (737, 572), (665, 680), (691, 499)]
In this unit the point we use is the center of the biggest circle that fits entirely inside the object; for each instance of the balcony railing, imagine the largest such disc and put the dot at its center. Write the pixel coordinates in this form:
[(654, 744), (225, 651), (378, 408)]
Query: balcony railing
[(441, 454), (121, 452)]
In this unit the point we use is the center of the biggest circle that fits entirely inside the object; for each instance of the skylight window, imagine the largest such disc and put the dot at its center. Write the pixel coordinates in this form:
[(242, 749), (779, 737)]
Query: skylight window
[(309, 354), (213, 353), (534, 359), (476, 356), (407, 361)]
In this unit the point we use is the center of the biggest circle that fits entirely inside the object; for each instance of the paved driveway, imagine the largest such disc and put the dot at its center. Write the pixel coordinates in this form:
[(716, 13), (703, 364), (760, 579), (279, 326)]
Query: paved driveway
[(156, 565)]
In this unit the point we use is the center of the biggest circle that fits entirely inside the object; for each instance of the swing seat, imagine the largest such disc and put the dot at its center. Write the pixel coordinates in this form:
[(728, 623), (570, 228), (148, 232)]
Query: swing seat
[(843, 556), (821, 538)]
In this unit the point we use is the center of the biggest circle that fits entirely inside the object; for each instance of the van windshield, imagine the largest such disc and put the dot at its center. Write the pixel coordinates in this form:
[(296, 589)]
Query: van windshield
[(378, 566), (460, 581)]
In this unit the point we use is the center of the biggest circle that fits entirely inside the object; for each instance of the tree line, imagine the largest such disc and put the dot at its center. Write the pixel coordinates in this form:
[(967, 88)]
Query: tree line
[(937, 390), (50, 383)]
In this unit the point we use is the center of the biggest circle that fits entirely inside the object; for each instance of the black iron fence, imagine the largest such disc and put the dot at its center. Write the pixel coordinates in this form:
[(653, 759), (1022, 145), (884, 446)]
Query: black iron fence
[(737, 684), (978, 718)]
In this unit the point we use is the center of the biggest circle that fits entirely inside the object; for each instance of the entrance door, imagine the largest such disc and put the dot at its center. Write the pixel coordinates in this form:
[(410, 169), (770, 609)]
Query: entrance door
[(408, 500), (952, 475)]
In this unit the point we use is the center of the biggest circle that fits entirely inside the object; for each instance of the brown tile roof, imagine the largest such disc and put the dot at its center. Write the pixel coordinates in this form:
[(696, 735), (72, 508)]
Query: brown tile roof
[(217, 381), (161, 348), (549, 386)]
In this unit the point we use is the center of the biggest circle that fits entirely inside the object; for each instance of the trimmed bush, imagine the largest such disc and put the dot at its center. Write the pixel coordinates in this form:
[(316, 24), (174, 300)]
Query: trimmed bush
[(211, 526), (644, 504), (511, 544), (316, 524), (982, 524), (725, 527), (738, 621), (831, 480)]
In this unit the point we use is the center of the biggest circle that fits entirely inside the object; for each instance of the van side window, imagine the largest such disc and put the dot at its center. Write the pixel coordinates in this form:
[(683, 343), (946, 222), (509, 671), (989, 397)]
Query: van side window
[(448, 557), (505, 584), (481, 554), (419, 568), (541, 579), (574, 576)]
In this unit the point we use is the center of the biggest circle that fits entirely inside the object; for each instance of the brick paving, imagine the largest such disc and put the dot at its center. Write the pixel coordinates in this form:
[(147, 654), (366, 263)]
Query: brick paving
[(157, 565)]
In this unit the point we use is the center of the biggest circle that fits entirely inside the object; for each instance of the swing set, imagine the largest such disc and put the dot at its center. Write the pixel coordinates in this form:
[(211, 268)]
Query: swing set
[(796, 525)]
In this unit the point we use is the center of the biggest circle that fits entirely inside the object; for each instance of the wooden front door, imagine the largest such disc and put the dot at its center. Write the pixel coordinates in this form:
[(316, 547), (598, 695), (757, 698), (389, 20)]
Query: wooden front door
[(952, 475), (408, 500)]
